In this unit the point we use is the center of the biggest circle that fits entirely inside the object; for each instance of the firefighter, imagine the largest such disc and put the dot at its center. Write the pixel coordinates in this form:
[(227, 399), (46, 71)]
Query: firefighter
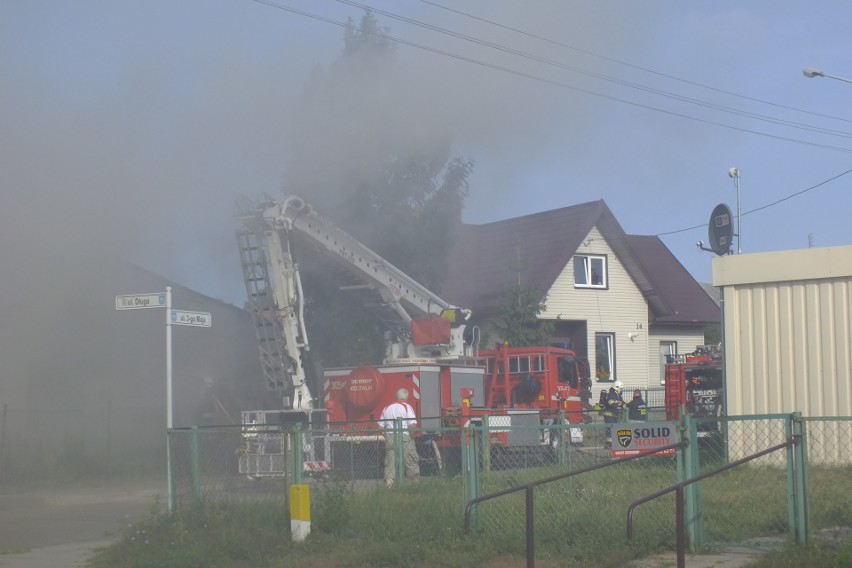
[(612, 410), (402, 412), (637, 410)]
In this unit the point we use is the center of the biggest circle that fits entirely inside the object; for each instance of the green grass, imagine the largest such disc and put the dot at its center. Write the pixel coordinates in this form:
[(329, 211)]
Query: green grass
[(420, 525), (809, 556)]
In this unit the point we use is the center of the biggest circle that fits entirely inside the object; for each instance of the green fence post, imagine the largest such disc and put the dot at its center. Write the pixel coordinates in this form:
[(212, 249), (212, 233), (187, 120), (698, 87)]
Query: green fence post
[(296, 455), (486, 444), (469, 459), (791, 480), (564, 430), (694, 524), (473, 462), (802, 512), (195, 466)]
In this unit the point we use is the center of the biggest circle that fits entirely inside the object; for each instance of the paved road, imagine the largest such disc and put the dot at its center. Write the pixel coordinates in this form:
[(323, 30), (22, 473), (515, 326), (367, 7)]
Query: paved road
[(59, 528)]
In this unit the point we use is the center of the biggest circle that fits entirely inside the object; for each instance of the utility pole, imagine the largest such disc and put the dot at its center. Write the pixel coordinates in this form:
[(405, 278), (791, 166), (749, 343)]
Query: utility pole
[(735, 173)]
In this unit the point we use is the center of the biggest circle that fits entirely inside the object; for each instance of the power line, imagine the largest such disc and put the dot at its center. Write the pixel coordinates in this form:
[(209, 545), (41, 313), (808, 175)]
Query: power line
[(631, 65), (549, 81), (768, 205), (601, 76)]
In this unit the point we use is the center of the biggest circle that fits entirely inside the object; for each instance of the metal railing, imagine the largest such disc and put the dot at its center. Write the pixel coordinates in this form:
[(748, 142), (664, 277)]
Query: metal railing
[(679, 496), (528, 489)]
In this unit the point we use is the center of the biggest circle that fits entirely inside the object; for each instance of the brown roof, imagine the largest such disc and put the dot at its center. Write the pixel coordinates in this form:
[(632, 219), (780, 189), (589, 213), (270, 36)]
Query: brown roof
[(486, 259), (680, 297)]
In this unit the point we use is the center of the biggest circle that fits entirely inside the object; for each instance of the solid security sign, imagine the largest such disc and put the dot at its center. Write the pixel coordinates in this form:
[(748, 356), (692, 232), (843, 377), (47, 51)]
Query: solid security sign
[(140, 301), (197, 319), (635, 437)]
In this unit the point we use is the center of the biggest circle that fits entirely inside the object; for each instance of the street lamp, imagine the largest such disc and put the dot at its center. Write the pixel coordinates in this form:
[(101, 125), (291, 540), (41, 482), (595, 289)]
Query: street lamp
[(735, 173), (810, 72)]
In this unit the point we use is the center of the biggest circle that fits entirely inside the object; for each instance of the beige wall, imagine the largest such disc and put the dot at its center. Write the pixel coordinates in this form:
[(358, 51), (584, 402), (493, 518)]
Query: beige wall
[(788, 331), (620, 309), (687, 341)]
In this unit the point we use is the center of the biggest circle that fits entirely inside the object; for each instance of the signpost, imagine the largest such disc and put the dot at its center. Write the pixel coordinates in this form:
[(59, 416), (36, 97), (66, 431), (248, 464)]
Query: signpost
[(173, 317)]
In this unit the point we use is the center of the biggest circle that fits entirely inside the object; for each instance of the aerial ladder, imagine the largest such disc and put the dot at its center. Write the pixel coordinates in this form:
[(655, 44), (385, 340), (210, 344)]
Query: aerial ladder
[(420, 325)]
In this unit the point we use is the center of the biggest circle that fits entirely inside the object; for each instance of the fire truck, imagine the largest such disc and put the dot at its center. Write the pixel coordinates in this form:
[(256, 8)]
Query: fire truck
[(427, 350), (694, 385)]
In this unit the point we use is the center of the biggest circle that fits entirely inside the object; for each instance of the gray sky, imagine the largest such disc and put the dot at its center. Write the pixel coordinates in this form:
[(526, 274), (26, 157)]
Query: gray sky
[(132, 126)]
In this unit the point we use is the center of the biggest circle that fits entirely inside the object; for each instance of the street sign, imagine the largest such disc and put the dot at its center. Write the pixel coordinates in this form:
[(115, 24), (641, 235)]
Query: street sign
[(140, 301), (197, 319)]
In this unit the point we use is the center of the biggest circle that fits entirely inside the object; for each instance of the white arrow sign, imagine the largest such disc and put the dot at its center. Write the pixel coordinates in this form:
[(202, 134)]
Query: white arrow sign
[(140, 301), (197, 319)]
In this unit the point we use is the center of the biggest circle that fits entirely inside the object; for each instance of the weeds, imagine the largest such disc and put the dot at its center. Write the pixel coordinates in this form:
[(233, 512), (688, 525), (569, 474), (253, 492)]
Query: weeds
[(420, 525)]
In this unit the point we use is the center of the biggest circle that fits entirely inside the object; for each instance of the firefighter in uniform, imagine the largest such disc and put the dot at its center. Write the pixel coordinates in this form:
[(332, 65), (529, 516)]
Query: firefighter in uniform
[(637, 410), (402, 412), (612, 410)]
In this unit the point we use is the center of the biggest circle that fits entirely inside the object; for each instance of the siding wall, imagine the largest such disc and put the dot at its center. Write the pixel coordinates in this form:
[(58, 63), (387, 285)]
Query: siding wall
[(788, 342), (687, 341), (620, 309)]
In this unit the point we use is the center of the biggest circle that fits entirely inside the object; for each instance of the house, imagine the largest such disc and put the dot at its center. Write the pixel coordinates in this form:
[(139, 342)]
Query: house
[(83, 385), (623, 301)]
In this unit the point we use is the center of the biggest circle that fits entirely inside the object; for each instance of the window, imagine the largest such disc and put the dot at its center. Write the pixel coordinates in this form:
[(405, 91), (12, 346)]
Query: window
[(667, 348), (605, 357), (519, 364), (590, 271), (568, 372)]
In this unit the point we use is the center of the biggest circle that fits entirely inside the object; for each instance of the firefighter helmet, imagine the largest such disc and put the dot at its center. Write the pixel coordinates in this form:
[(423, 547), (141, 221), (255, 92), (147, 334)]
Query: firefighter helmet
[(618, 386)]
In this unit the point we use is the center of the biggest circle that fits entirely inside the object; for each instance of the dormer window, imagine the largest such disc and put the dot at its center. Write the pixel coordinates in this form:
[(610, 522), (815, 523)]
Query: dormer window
[(590, 271)]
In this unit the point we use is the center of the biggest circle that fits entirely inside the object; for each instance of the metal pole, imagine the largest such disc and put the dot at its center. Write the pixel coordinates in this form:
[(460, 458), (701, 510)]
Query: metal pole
[(530, 509), (680, 528), (169, 357), (169, 396), (739, 215)]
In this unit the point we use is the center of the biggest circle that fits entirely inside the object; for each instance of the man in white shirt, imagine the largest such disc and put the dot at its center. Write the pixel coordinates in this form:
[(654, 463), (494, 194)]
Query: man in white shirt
[(402, 413)]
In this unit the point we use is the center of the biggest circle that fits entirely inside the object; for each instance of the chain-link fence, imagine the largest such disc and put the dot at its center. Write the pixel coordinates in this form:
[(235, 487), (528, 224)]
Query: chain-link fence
[(829, 473), (573, 517)]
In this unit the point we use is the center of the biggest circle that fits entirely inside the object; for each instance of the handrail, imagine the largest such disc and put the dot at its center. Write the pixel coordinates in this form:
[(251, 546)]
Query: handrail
[(678, 489), (528, 488)]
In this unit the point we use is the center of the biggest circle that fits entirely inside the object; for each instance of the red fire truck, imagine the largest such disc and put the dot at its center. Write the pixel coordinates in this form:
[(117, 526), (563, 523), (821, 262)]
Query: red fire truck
[(694, 385), (426, 351)]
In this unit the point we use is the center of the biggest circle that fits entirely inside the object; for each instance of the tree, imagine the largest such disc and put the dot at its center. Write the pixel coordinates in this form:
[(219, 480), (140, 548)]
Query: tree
[(518, 318), (363, 153)]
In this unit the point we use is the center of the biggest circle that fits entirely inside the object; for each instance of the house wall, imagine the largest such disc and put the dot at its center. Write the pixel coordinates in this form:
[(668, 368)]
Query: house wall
[(620, 309), (788, 331), (686, 339), (83, 379)]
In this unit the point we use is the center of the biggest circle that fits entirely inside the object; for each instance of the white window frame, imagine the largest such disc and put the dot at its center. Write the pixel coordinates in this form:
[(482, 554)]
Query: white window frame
[(588, 266), (610, 342)]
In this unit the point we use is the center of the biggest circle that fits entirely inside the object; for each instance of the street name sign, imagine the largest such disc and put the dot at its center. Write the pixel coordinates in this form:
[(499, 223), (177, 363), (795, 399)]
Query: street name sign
[(140, 301), (196, 319)]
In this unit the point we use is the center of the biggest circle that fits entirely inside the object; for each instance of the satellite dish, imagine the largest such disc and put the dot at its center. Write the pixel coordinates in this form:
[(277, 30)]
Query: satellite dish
[(720, 230)]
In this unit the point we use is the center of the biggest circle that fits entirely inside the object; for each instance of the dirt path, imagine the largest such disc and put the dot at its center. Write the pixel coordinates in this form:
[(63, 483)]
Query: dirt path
[(58, 528)]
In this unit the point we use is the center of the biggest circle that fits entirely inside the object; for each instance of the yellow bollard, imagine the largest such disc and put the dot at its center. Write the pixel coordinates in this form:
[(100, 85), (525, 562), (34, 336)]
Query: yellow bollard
[(300, 511)]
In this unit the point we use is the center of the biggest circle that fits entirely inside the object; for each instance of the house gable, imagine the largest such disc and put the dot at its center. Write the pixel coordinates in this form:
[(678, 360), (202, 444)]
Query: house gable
[(617, 310)]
